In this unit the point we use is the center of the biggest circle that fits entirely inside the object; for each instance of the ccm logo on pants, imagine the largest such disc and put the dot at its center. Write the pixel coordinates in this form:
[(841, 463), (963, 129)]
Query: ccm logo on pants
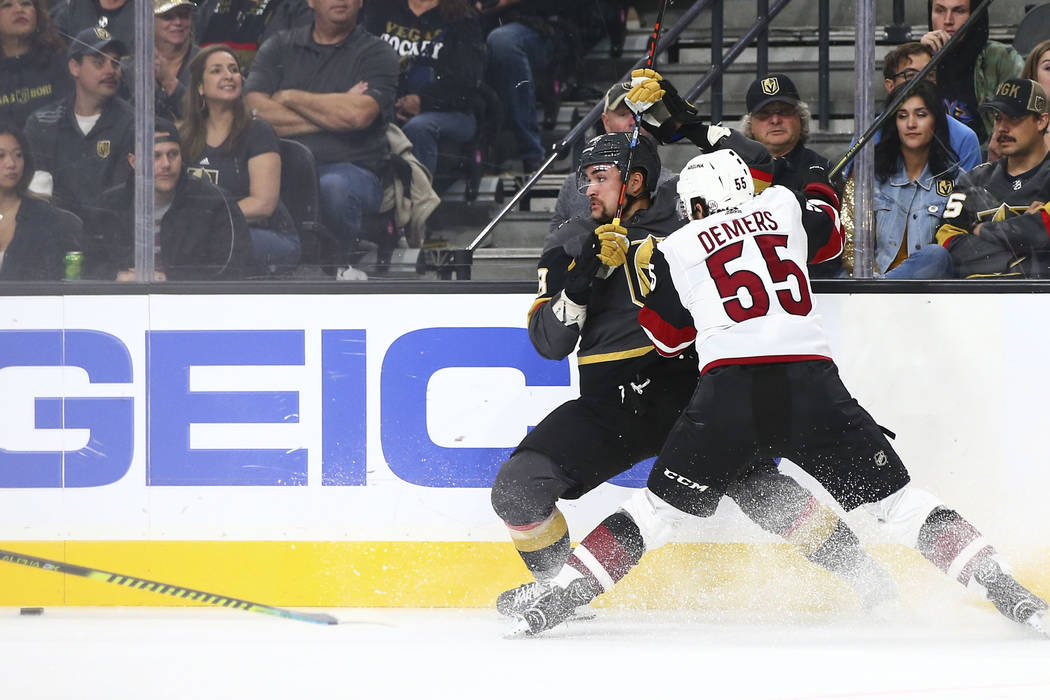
[(684, 481)]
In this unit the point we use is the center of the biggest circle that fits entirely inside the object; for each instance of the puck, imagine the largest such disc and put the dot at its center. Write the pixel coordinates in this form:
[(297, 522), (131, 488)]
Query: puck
[(31, 611)]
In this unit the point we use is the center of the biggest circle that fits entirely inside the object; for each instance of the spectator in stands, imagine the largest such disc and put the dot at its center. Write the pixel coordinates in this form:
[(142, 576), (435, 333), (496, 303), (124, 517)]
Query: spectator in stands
[(995, 221), (199, 234), (442, 58), (33, 237), (223, 142), (970, 74), (173, 49), (915, 171), (779, 120), (901, 65), (115, 16), (1037, 68), (243, 25), (32, 60), (616, 117), (79, 142), (538, 44), (332, 86)]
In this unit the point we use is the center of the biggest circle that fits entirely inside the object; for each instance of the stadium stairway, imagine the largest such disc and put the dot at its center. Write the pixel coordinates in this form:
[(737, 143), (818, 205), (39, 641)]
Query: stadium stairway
[(511, 251)]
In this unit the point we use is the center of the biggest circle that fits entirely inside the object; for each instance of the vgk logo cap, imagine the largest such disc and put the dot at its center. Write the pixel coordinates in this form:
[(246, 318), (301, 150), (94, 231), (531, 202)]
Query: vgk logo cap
[(95, 40), (775, 87), (1016, 97)]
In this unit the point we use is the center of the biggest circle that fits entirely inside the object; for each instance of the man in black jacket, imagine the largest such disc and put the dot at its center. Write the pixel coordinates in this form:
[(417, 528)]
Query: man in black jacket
[(199, 234)]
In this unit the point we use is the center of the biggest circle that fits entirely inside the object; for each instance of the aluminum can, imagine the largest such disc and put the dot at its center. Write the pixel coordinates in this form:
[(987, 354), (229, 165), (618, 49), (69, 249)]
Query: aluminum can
[(74, 259)]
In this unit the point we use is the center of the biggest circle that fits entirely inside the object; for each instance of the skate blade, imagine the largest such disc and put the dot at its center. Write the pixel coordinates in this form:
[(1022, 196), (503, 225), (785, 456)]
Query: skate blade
[(1040, 623), (519, 628), (584, 613)]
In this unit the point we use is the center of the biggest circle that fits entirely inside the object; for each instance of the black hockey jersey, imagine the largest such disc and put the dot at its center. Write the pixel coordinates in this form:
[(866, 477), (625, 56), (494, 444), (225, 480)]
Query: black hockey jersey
[(1011, 242), (613, 349)]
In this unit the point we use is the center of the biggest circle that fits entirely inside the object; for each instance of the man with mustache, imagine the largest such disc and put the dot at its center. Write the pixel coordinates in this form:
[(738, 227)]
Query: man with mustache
[(997, 222), (79, 142)]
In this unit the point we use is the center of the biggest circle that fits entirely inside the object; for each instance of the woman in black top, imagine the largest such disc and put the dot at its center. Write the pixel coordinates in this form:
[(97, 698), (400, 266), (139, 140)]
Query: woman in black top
[(442, 57), (33, 68), (34, 236), (240, 154)]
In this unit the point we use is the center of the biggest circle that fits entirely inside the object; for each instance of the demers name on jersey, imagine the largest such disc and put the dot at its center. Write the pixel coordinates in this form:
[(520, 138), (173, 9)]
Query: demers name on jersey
[(729, 230)]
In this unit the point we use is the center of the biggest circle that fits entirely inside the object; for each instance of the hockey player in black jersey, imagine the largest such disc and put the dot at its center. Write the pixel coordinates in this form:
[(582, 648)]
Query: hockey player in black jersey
[(997, 222), (730, 287), (592, 283)]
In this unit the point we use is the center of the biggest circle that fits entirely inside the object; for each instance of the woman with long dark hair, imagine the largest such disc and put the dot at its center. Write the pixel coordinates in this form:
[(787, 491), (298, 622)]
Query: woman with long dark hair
[(33, 68), (442, 57), (34, 237), (222, 141), (915, 170)]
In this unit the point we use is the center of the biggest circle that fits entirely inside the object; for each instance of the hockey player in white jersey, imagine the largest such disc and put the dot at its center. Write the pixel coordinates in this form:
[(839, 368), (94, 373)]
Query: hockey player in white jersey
[(733, 282)]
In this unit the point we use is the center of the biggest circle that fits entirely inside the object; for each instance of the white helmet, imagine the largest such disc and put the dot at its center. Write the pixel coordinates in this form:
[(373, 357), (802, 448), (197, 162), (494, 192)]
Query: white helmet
[(721, 179)]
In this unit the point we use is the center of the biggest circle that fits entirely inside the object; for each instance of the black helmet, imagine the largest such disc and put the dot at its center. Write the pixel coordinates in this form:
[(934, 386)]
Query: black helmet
[(615, 149)]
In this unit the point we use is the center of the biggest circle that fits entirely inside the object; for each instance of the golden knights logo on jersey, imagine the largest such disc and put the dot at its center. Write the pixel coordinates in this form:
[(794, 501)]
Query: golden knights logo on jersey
[(103, 148), (945, 187)]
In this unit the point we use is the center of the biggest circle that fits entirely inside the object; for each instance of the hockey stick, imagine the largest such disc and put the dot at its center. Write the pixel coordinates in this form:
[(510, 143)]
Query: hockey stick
[(164, 588), (650, 63), (892, 108)]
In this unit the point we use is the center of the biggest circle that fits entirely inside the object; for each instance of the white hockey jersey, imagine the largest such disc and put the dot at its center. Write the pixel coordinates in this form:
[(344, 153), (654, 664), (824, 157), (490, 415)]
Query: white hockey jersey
[(736, 283)]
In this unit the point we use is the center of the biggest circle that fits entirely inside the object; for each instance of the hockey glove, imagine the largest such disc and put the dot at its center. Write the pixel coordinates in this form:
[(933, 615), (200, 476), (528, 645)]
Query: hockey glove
[(582, 272), (664, 112), (612, 242)]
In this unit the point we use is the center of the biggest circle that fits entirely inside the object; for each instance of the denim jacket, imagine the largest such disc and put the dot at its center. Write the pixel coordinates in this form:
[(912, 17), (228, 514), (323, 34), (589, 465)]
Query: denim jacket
[(903, 203)]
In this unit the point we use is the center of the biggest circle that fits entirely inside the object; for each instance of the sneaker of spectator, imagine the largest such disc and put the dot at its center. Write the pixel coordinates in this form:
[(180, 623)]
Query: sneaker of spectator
[(33, 61), (976, 66), (332, 86)]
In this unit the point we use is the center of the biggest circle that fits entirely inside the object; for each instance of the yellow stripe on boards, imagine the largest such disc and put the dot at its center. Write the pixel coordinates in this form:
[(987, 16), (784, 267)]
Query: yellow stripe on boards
[(760, 579)]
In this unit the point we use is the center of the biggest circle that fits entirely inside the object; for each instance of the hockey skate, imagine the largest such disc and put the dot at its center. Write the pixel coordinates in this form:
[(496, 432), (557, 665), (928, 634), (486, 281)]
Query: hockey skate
[(554, 607), (1011, 598), (516, 601)]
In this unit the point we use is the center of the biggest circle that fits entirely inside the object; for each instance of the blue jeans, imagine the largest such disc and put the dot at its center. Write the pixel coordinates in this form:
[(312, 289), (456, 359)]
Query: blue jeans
[(427, 129), (931, 262), (273, 249), (516, 54), (348, 194)]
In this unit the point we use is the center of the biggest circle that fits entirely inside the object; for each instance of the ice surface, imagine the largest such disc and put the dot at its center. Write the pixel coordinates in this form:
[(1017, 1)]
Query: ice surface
[(943, 651)]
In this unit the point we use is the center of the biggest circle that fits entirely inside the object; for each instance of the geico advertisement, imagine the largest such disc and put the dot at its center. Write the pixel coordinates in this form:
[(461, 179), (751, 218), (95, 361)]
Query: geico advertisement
[(386, 416)]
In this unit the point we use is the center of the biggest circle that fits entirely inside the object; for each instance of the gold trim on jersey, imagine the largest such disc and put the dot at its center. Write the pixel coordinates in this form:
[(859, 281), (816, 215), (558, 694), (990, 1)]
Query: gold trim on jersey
[(946, 231), (535, 305), (613, 356)]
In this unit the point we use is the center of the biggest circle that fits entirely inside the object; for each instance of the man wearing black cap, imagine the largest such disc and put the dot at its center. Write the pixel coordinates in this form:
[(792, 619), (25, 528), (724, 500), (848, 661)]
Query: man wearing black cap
[(997, 221), (779, 120), (79, 143)]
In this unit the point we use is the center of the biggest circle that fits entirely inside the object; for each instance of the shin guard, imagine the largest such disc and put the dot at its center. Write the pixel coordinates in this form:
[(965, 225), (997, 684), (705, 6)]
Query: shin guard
[(609, 552), (543, 546)]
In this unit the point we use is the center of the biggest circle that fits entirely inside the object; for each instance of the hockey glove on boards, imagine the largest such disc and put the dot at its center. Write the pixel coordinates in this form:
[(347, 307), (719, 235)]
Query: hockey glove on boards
[(664, 112)]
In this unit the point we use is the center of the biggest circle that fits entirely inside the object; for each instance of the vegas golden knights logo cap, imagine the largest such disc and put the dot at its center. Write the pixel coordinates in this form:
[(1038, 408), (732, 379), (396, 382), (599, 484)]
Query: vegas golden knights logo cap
[(775, 87), (1018, 96)]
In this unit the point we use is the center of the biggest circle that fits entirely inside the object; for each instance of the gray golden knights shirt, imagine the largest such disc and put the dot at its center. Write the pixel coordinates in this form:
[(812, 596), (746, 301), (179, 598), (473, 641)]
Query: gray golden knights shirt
[(1011, 243)]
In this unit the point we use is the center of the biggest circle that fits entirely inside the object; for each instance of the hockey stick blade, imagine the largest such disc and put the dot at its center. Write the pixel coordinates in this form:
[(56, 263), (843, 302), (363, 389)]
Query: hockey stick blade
[(143, 584)]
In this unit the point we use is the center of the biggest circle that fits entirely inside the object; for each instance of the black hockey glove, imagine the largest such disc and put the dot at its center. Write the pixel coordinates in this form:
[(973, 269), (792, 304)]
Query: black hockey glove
[(582, 271)]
